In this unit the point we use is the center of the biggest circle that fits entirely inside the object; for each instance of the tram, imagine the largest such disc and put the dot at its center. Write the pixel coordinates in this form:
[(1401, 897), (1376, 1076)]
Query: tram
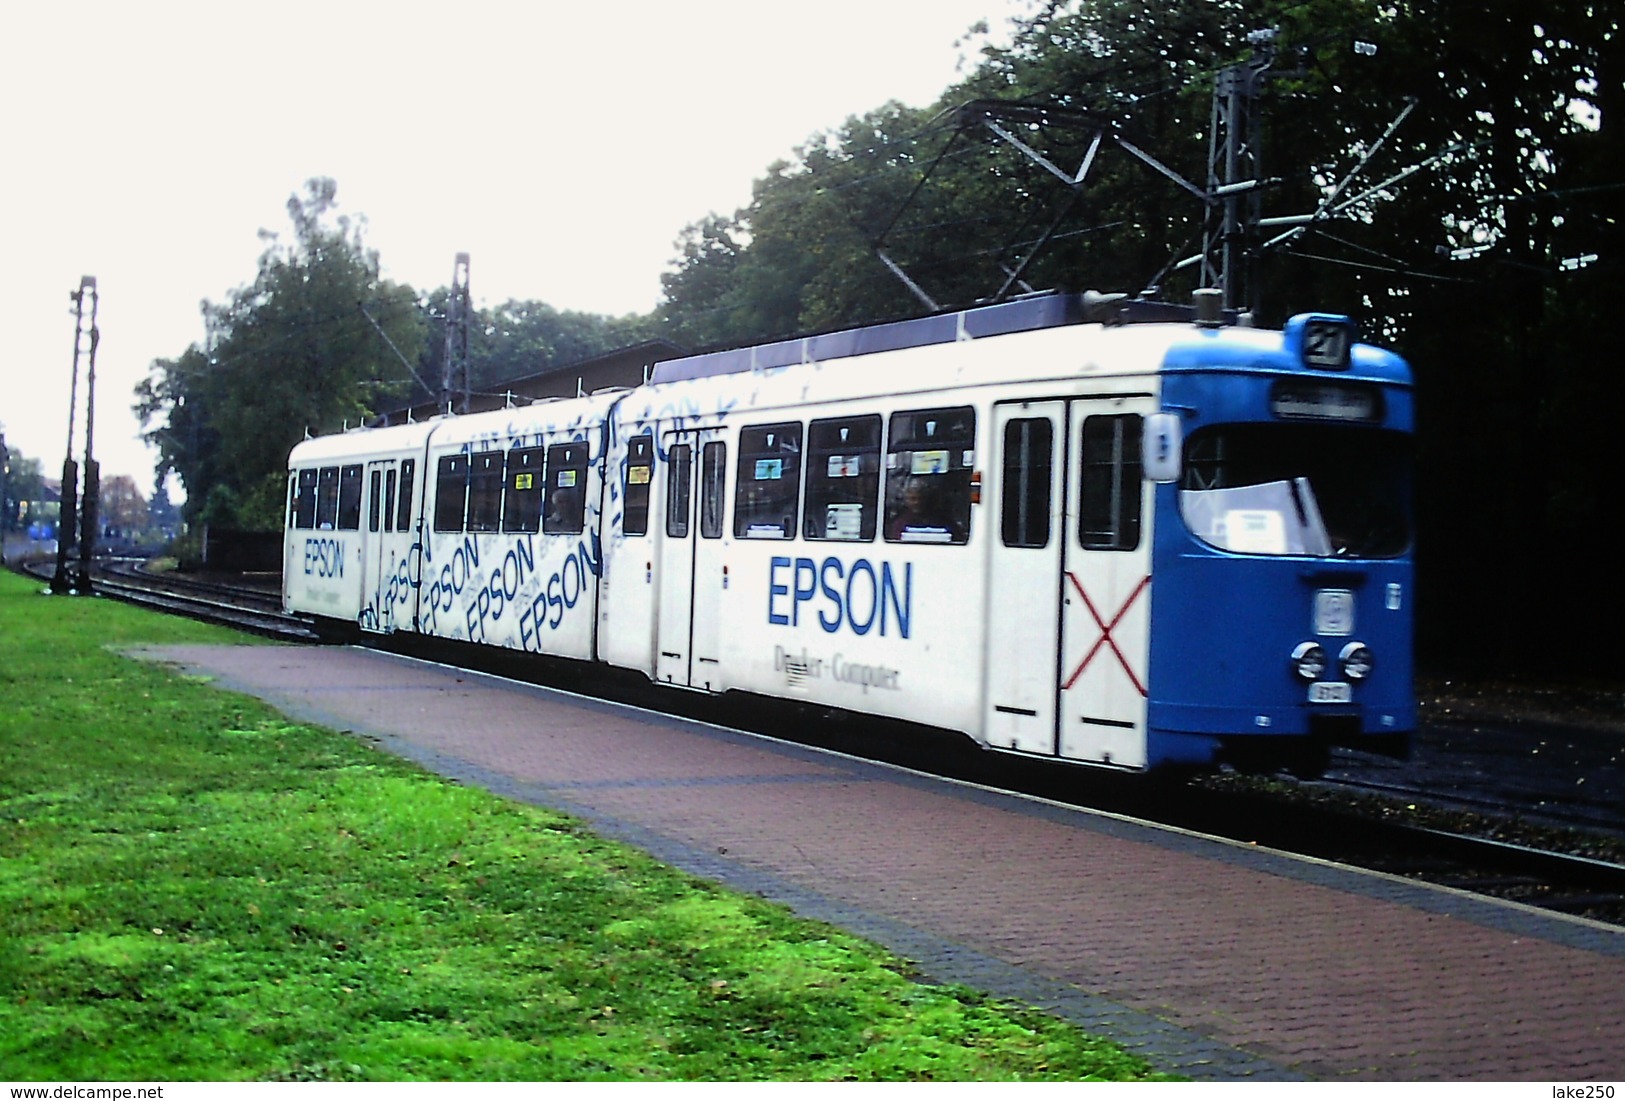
[(1119, 534)]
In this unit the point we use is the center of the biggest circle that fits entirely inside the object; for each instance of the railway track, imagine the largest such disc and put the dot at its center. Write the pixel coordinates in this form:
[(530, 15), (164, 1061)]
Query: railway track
[(1390, 824), (256, 610), (1393, 837)]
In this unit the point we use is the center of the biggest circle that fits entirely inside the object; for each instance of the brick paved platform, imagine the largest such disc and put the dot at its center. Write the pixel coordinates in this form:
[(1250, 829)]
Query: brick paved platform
[(1213, 960)]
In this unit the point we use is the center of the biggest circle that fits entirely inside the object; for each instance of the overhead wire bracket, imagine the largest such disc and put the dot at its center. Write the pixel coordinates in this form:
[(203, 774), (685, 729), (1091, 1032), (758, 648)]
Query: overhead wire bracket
[(1000, 118)]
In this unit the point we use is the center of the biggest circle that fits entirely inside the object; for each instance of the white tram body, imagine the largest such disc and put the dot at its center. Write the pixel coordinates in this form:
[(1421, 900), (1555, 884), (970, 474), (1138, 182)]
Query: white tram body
[(955, 529)]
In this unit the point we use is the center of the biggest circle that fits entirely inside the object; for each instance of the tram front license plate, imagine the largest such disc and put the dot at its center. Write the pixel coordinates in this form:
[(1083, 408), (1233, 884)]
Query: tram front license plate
[(1331, 692)]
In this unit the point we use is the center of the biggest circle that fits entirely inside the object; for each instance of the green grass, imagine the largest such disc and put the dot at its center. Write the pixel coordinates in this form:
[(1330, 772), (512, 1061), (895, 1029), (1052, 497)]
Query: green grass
[(192, 887)]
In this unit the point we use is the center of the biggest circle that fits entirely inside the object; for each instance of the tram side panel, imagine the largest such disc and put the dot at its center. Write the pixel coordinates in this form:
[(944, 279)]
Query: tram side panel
[(878, 630), (510, 550), (323, 542), (853, 563), (724, 570), (325, 570)]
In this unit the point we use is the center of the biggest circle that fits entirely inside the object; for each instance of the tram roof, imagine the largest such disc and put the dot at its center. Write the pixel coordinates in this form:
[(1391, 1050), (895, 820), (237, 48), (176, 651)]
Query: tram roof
[(1024, 314)]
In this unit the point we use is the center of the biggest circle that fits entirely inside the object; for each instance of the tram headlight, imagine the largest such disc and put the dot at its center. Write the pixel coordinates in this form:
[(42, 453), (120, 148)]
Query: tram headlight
[(1356, 660), (1309, 661)]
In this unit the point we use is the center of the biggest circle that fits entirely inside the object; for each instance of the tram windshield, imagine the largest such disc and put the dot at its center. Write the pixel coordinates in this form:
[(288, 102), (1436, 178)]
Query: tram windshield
[(1312, 490)]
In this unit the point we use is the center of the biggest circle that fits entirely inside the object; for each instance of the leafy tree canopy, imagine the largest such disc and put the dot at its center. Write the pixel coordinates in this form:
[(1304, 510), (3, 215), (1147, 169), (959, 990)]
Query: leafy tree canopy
[(122, 506), (1517, 166), (292, 351)]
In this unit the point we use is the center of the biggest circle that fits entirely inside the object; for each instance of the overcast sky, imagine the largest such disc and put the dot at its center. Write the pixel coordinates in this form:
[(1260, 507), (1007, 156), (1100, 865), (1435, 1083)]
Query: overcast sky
[(563, 146)]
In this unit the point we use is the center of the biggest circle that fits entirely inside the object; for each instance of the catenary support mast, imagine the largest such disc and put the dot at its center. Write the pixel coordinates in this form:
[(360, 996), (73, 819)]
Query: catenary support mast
[(84, 339), (454, 387)]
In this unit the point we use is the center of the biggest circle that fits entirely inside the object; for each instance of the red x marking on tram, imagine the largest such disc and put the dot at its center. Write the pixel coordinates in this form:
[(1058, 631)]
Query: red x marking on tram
[(1106, 630)]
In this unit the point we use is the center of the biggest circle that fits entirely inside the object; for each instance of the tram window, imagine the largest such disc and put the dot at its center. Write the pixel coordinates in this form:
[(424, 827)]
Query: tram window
[(713, 474), (1310, 489), (640, 471), (679, 484), (485, 491), (843, 479), (929, 459), (389, 499), (769, 478), (327, 497), (1109, 513), (305, 502), (567, 488), (522, 490), (403, 518), (451, 493), (350, 498), (1029, 449), (375, 504)]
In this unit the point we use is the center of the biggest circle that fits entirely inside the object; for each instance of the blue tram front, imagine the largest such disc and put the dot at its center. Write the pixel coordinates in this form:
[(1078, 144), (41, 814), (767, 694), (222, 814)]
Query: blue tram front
[(1282, 612)]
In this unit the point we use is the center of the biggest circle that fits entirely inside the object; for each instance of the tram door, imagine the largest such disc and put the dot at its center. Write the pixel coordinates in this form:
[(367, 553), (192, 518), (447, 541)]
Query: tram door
[(378, 550), (1023, 603), (688, 630), (1068, 589), (1105, 585)]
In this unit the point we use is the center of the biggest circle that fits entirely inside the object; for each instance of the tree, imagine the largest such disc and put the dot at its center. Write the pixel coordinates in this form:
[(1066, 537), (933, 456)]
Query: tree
[(693, 311), (23, 482), (292, 352), (162, 515), (521, 338), (955, 207), (122, 507), (800, 257)]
